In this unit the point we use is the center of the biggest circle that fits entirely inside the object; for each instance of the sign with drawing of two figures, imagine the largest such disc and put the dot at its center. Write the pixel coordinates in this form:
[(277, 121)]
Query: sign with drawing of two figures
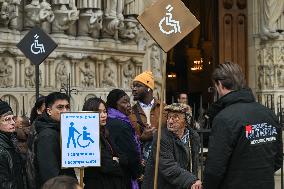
[(80, 139)]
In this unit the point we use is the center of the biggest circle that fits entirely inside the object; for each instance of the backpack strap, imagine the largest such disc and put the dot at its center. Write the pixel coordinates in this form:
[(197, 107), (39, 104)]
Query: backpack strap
[(139, 119)]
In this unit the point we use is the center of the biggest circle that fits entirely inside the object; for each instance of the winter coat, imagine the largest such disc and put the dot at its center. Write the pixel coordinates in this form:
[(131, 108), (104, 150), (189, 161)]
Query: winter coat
[(48, 153), (154, 119), (177, 164), (109, 175), (11, 165), (22, 137), (245, 146), (122, 137)]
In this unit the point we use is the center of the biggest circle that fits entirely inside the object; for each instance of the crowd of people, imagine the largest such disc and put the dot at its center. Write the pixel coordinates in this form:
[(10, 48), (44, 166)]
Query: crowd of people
[(245, 146)]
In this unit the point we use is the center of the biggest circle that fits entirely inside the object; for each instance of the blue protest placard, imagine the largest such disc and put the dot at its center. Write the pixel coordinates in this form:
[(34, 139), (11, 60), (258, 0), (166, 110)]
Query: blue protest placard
[(80, 139)]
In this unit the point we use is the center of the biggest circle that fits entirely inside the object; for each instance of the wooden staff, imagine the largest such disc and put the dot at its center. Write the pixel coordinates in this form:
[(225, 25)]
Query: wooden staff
[(160, 120), (81, 177)]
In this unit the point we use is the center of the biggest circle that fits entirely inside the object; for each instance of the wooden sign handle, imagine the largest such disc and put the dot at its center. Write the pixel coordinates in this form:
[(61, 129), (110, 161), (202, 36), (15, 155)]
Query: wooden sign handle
[(81, 177)]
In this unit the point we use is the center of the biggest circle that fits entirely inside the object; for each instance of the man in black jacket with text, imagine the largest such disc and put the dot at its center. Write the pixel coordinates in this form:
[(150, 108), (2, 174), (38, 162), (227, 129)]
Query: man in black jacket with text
[(245, 146)]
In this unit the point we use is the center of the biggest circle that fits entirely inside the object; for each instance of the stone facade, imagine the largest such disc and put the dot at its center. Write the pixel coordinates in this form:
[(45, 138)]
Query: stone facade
[(99, 47), (266, 54), (266, 50)]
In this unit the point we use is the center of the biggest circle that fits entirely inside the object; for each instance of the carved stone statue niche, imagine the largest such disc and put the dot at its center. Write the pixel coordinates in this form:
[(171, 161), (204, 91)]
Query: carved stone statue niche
[(271, 11), (128, 73), (9, 12), (66, 14), (108, 76), (89, 76), (6, 71), (30, 80), (280, 75), (61, 75), (37, 13), (269, 76)]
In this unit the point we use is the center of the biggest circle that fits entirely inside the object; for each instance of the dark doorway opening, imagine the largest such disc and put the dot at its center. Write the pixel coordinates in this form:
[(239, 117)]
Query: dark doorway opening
[(191, 62)]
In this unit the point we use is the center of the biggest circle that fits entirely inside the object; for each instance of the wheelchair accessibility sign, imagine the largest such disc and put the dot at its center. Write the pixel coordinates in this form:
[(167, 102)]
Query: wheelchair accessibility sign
[(36, 45), (80, 139), (168, 22)]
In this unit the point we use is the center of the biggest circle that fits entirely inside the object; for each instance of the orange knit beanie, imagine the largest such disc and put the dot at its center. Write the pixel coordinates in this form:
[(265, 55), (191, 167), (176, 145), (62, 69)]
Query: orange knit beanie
[(146, 78)]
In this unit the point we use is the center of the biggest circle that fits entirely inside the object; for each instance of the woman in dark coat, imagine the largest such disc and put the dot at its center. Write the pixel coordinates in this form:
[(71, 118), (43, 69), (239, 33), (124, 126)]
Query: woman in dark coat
[(122, 135), (178, 153), (110, 174)]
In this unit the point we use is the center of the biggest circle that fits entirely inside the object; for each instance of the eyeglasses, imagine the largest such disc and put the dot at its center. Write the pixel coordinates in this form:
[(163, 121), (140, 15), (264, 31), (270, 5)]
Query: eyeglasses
[(175, 117), (8, 119)]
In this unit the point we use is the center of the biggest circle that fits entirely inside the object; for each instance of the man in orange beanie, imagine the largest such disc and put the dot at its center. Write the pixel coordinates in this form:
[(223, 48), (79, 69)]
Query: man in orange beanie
[(145, 113)]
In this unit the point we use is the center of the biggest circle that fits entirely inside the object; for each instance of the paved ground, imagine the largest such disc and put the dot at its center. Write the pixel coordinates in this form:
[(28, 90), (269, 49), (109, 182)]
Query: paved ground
[(278, 182)]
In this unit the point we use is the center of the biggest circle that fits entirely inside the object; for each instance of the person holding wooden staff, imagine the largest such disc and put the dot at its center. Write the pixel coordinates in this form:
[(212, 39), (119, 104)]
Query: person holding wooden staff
[(178, 152)]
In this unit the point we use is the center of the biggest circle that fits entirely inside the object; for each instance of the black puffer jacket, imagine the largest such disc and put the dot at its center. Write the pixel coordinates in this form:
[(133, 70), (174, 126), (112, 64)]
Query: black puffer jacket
[(175, 161), (110, 175), (11, 170), (48, 153), (122, 137), (245, 146)]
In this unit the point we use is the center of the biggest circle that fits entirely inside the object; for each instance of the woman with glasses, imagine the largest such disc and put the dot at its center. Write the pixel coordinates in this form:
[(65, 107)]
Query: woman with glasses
[(109, 175), (11, 169), (178, 152)]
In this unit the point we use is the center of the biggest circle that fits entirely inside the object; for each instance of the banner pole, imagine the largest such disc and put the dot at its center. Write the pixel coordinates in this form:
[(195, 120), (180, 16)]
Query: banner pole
[(160, 120), (81, 177)]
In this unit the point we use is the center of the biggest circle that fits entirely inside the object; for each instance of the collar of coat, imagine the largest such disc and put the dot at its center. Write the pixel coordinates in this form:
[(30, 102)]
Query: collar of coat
[(6, 140), (240, 96), (140, 110)]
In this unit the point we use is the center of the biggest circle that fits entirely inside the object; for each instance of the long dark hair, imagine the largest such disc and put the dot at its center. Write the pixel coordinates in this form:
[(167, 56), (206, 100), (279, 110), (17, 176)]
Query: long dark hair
[(39, 102), (92, 104)]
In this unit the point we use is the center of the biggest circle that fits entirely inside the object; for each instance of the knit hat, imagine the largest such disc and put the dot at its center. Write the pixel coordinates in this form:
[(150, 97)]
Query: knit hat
[(180, 108), (146, 78), (113, 97), (4, 107)]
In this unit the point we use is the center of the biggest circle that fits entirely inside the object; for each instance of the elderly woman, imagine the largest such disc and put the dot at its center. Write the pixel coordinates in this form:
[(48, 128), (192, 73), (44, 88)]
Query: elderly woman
[(178, 153), (123, 137)]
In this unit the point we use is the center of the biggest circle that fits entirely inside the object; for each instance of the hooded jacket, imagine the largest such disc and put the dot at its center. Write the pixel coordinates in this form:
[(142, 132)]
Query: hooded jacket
[(245, 146), (48, 152)]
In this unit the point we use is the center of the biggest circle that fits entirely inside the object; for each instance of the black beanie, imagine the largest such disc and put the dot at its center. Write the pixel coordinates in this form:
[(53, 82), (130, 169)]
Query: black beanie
[(4, 107), (113, 97)]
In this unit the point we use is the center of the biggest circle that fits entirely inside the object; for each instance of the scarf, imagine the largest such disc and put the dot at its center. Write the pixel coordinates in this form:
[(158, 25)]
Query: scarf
[(115, 114)]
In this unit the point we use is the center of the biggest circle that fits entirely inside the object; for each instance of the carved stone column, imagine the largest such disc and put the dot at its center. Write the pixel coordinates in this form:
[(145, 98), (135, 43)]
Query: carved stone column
[(90, 22), (17, 71), (22, 62)]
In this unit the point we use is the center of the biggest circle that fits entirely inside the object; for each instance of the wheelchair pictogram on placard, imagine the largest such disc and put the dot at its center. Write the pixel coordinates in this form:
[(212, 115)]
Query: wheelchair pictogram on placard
[(37, 48), (169, 22)]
